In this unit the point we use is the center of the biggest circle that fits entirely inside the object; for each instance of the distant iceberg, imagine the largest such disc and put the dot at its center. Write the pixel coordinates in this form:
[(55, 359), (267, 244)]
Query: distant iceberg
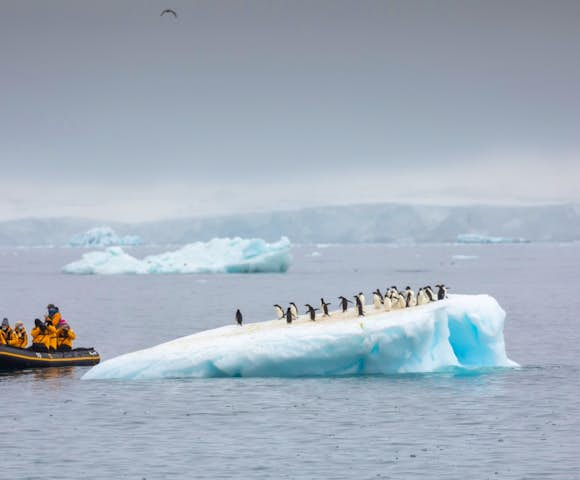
[(477, 238), (103, 237), (220, 255), (464, 331)]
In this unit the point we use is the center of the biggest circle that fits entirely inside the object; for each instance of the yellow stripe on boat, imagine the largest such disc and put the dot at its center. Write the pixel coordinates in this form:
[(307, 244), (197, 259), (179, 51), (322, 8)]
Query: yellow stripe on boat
[(48, 359)]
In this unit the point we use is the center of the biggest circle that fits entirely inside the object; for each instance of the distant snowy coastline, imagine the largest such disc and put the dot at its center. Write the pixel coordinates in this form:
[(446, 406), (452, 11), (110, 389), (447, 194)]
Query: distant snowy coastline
[(328, 226), (103, 237), (220, 255)]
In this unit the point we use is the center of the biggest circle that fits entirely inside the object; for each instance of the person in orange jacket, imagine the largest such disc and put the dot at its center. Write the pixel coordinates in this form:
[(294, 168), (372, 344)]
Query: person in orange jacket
[(20, 337), (43, 336), (65, 336), (6, 333), (53, 315)]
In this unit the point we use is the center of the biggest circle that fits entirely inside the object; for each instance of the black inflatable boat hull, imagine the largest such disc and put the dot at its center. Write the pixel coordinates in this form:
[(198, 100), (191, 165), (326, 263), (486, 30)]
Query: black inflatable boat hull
[(17, 358)]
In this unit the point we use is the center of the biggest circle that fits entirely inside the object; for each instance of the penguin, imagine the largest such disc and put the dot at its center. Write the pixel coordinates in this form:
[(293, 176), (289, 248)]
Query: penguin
[(377, 299), (294, 309), (410, 300), (344, 303), (289, 315), (279, 311), (441, 292), (362, 299), (429, 293), (324, 307), (398, 301), (387, 304), (239, 317), (359, 306), (311, 311), (422, 297)]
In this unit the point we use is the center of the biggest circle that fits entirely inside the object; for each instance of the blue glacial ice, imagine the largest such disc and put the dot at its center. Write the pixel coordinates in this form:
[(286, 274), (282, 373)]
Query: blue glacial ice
[(464, 331), (477, 238), (103, 237), (220, 255)]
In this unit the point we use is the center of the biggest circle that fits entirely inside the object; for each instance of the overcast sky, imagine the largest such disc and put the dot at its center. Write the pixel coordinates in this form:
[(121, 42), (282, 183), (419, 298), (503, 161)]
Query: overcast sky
[(108, 110)]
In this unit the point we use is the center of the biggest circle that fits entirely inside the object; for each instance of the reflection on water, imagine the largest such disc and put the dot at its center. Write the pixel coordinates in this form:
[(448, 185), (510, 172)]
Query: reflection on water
[(40, 373)]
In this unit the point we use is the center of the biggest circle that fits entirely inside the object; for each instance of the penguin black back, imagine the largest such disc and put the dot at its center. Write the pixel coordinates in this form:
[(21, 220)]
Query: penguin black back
[(239, 317), (344, 303), (289, 315), (324, 305), (311, 311)]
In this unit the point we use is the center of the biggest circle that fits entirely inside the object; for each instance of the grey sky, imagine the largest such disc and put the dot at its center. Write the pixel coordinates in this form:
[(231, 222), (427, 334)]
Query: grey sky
[(109, 110)]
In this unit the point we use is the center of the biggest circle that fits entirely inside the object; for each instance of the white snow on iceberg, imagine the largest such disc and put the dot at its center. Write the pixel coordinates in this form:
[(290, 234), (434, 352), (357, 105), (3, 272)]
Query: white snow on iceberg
[(464, 331), (220, 255), (103, 237), (477, 238)]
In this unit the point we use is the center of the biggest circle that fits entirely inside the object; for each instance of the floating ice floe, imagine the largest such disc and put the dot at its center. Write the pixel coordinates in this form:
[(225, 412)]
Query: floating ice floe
[(464, 331), (103, 237), (220, 255), (477, 238), (464, 257)]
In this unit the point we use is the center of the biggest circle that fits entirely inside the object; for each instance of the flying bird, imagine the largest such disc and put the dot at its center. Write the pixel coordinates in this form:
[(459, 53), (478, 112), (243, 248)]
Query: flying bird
[(168, 10)]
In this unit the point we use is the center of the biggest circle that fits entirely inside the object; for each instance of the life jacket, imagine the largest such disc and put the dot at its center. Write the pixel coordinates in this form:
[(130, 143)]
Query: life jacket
[(54, 319), (46, 337), (20, 340), (6, 336), (65, 340)]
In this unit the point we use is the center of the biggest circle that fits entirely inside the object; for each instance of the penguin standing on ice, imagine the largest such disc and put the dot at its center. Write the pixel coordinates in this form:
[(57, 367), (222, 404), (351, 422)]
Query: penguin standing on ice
[(429, 293), (311, 311), (279, 311), (362, 299), (441, 292), (294, 310), (377, 299), (239, 318), (359, 306), (289, 315), (410, 300), (344, 303), (324, 307), (398, 301), (387, 303), (422, 297)]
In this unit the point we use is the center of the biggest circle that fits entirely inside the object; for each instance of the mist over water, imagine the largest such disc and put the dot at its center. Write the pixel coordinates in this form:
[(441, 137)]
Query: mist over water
[(519, 423)]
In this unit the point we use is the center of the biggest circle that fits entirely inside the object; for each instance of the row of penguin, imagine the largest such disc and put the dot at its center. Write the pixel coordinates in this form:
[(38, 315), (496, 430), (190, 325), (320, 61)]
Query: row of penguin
[(52, 335), (393, 299)]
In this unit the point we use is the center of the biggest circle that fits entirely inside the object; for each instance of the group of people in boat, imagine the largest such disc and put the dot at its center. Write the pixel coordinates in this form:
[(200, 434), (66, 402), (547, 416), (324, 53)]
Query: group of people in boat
[(393, 299), (51, 335)]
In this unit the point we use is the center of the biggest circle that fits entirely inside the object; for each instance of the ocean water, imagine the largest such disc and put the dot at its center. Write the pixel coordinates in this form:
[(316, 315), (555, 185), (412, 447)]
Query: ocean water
[(510, 424)]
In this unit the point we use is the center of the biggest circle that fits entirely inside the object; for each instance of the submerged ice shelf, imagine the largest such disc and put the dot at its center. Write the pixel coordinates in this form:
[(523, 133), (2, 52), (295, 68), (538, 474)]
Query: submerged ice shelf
[(220, 255), (462, 331)]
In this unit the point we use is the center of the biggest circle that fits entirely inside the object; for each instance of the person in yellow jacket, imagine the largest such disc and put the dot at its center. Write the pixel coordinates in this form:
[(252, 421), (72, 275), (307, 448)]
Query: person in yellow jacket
[(43, 336), (6, 333), (53, 315), (65, 336), (20, 337)]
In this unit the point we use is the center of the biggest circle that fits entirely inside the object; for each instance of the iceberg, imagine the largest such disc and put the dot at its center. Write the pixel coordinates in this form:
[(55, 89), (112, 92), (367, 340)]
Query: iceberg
[(220, 255), (103, 237), (477, 238), (463, 331)]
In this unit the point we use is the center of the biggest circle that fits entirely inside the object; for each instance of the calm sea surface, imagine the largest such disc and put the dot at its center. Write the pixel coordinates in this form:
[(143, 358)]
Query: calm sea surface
[(502, 424)]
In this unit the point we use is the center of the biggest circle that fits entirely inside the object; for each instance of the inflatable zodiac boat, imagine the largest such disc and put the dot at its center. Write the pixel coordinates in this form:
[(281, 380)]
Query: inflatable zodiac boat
[(17, 358)]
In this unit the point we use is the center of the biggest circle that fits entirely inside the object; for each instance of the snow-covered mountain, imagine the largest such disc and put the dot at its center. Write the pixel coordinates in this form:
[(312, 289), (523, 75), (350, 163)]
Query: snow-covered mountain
[(338, 224)]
